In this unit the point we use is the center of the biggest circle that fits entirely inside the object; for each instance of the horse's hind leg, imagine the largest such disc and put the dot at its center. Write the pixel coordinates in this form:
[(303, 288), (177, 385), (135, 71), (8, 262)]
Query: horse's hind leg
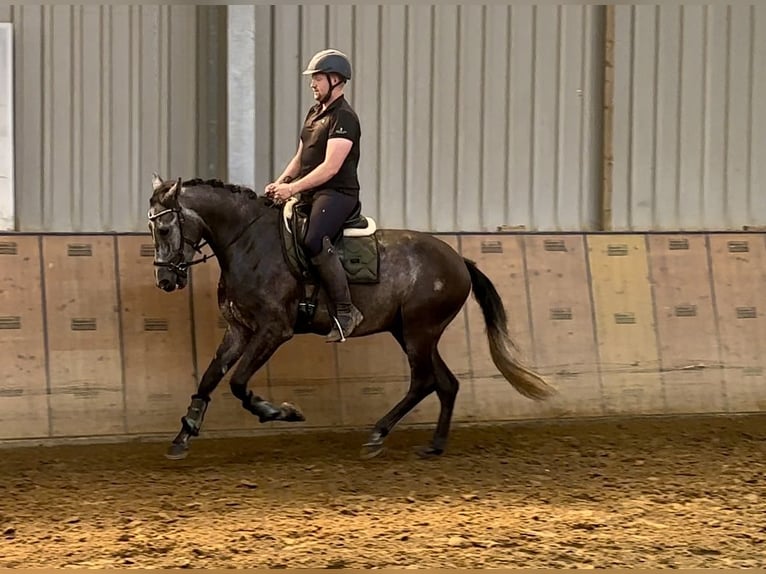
[(419, 349), (447, 387), (229, 351)]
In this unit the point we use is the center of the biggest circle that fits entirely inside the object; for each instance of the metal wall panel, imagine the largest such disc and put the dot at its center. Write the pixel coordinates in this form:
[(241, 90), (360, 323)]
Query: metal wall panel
[(104, 96), (472, 116), (689, 151)]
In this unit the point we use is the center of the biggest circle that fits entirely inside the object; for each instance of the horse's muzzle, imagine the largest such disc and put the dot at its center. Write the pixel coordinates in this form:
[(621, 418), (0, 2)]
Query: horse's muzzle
[(168, 280), (166, 285)]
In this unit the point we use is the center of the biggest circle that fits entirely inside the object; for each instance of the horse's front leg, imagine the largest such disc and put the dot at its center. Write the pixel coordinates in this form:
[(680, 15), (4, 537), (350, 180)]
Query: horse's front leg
[(232, 346), (260, 349)]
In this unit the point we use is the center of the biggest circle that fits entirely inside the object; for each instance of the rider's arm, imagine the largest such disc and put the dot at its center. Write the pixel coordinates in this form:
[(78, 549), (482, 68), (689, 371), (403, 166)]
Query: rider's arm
[(293, 168), (335, 155)]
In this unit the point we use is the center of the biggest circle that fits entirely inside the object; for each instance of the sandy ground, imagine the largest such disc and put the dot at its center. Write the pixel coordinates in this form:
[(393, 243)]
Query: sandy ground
[(685, 492)]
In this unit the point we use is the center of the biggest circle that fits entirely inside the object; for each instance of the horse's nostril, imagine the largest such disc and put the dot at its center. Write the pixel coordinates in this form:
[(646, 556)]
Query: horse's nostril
[(165, 284)]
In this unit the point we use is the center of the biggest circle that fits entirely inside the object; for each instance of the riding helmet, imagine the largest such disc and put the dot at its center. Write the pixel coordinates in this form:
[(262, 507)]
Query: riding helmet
[(329, 61)]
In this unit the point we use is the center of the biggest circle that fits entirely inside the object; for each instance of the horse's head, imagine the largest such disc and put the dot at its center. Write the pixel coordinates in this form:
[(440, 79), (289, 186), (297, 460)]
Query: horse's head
[(176, 231)]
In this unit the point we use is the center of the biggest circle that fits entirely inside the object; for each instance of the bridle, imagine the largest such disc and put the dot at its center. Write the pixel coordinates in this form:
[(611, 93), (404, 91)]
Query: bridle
[(177, 263)]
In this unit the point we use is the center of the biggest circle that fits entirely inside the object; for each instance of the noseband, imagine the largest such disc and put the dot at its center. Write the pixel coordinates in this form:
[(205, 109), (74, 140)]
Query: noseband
[(177, 263)]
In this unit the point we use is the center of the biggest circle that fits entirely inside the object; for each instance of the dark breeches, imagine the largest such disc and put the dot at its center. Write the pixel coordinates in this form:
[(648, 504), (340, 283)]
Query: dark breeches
[(329, 211)]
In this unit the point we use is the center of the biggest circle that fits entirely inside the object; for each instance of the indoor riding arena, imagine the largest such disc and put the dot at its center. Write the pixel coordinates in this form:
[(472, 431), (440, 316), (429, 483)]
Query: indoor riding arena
[(603, 166)]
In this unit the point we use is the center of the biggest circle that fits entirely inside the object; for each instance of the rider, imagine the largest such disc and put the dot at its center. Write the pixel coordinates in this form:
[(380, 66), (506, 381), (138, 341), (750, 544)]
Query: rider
[(324, 171)]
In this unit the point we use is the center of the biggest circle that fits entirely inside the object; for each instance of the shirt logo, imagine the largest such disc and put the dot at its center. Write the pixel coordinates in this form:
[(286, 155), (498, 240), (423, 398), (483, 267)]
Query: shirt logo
[(341, 131)]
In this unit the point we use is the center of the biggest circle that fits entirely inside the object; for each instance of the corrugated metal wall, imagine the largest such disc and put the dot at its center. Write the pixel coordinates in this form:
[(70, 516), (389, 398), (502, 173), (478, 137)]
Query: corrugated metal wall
[(473, 117), (104, 96), (689, 117)]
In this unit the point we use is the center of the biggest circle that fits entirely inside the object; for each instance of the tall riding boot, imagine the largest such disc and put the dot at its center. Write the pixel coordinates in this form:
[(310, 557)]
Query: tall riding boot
[(333, 276)]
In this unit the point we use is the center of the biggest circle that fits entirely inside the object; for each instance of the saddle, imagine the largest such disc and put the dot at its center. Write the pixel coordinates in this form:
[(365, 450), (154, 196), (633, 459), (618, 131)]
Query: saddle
[(356, 245)]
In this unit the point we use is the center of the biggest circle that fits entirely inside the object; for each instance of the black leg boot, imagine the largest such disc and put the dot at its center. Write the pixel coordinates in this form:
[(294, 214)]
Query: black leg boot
[(333, 278)]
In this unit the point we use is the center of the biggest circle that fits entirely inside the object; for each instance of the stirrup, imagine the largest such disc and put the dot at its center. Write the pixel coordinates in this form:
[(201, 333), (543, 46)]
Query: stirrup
[(355, 316), (332, 337)]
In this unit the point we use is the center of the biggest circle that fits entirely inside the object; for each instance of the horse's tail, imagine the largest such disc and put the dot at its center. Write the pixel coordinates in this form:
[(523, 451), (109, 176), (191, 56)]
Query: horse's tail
[(525, 381)]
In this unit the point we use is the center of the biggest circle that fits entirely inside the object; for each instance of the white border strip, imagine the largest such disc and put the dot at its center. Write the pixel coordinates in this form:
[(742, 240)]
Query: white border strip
[(7, 154), (241, 103)]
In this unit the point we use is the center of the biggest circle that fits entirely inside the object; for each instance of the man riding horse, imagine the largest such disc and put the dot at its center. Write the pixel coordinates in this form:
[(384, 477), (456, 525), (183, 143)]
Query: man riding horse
[(324, 172), (420, 282)]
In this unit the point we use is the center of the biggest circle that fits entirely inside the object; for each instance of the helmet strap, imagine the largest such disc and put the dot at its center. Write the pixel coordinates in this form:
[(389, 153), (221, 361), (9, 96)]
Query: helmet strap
[(331, 89)]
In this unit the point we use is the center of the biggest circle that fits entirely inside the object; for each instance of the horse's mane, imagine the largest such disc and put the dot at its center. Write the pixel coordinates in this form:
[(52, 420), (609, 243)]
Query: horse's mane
[(217, 183)]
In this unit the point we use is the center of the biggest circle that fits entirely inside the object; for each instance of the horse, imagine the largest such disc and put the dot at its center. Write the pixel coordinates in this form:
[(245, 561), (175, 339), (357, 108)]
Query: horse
[(412, 286)]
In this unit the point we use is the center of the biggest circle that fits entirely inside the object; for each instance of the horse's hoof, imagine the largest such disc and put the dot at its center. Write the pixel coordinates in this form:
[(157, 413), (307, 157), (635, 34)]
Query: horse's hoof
[(428, 451), (291, 413), (370, 450), (177, 452)]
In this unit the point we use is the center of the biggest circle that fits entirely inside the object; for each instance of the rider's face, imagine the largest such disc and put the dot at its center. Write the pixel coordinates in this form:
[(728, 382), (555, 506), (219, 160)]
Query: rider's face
[(319, 86)]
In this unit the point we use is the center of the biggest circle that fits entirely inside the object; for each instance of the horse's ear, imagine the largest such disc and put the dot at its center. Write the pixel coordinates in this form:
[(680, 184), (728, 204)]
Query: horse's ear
[(156, 181), (171, 195)]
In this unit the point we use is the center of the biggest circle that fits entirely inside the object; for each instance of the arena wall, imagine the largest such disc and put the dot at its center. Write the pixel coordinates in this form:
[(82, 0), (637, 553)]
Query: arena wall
[(688, 145), (621, 324), (636, 118), (103, 96), (639, 120)]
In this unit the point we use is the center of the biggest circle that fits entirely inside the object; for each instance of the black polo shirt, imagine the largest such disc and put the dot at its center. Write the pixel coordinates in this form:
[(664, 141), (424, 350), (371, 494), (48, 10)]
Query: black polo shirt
[(339, 120)]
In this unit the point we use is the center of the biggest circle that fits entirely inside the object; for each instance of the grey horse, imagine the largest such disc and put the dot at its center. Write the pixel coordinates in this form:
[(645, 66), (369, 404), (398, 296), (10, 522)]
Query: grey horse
[(261, 299)]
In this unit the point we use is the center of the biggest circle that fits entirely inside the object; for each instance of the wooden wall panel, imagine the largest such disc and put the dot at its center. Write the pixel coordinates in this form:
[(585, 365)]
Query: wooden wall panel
[(562, 316), (157, 342), (686, 324), (373, 376), (679, 323), (739, 279), (501, 258), (304, 372), (85, 360), (627, 339), (23, 381)]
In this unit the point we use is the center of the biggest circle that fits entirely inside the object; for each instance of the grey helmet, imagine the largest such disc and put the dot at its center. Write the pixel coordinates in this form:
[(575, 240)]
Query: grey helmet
[(329, 61)]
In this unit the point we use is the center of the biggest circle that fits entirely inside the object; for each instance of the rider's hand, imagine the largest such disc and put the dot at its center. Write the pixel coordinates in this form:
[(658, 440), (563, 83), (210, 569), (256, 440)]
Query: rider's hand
[(282, 191), (269, 189)]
